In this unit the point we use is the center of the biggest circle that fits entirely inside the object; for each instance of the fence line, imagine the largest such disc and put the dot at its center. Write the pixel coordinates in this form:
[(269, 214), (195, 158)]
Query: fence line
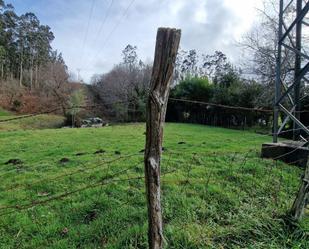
[(127, 102), (109, 179), (71, 173), (60, 108), (227, 106), (102, 182), (172, 99), (38, 167), (168, 153), (221, 106), (169, 159)]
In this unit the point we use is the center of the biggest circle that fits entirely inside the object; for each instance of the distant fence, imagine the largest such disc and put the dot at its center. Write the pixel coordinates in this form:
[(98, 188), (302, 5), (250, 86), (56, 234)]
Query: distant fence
[(187, 111)]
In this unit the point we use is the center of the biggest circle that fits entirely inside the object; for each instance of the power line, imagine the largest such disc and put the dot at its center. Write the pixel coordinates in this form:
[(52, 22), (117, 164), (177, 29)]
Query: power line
[(103, 21), (87, 28), (123, 16)]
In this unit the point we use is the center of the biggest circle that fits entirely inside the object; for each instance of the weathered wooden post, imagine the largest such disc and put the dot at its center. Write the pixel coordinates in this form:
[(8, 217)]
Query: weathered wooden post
[(302, 198), (165, 55)]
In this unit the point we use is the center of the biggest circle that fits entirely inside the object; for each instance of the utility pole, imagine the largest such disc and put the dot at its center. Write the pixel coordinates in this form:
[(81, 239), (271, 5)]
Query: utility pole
[(288, 94), (78, 74), (297, 87), (290, 41)]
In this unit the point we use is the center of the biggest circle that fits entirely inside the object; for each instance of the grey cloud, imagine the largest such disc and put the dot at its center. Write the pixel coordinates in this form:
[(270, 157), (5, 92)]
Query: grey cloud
[(69, 19)]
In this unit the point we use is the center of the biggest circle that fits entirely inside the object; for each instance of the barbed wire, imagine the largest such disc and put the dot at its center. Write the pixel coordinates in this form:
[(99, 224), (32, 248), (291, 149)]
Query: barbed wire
[(32, 186), (66, 108), (165, 153), (110, 179), (104, 181), (220, 105), (132, 110), (227, 106), (110, 156), (78, 171), (29, 115), (71, 173)]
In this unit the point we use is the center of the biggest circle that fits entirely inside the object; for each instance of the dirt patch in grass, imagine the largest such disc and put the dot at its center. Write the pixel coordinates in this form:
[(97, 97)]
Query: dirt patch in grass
[(80, 154), (64, 160), (14, 161), (99, 152)]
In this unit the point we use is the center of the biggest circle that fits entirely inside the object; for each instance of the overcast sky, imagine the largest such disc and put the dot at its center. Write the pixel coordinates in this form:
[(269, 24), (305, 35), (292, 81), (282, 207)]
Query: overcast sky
[(92, 33)]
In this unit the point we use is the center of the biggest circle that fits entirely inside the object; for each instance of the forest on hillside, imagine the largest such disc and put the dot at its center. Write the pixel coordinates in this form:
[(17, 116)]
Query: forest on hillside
[(33, 76)]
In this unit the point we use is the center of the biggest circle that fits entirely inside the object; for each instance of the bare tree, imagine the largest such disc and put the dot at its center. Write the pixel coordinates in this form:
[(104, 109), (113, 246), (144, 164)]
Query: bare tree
[(55, 83), (124, 89), (261, 45)]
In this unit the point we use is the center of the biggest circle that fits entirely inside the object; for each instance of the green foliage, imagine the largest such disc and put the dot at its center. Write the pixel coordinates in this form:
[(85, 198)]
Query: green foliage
[(24, 42), (227, 76), (77, 99), (222, 194), (212, 78), (193, 88), (239, 93), (229, 90)]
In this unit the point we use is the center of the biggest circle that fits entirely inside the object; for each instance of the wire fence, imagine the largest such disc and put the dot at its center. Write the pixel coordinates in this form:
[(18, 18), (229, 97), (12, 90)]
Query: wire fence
[(107, 178), (107, 104), (121, 175), (103, 166), (59, 108), (228, 106)]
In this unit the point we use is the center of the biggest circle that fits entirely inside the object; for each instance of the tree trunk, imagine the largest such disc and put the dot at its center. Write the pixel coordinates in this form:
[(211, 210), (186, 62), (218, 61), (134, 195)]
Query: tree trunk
[(36, 75), (302, 198), (165, 55), (2, 70), (31, 74), (21, 72), (31, 79)]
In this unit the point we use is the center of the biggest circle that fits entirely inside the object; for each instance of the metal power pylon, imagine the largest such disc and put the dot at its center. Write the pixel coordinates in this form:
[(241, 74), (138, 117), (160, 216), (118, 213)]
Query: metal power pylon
[(291, 42)]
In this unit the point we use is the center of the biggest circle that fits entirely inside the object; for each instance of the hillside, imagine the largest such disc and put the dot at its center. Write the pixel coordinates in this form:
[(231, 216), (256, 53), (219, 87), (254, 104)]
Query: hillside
[(12, 122), (4, 113), (84, 188)]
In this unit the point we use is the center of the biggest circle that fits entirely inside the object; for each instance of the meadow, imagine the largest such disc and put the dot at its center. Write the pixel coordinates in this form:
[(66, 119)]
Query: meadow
[(84, 188)]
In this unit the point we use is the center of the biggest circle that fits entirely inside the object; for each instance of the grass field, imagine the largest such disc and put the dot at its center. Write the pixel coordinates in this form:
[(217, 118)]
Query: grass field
[(4, 113), (36, 122), (216, 191)]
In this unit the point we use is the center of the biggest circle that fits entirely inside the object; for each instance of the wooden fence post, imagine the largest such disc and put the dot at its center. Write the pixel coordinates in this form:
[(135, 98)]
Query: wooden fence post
[(165, 55), (302, 198)]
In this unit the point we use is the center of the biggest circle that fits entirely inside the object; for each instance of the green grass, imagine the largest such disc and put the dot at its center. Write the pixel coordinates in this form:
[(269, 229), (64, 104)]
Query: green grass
[(36, 122), (4, 113), (216, 191)]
